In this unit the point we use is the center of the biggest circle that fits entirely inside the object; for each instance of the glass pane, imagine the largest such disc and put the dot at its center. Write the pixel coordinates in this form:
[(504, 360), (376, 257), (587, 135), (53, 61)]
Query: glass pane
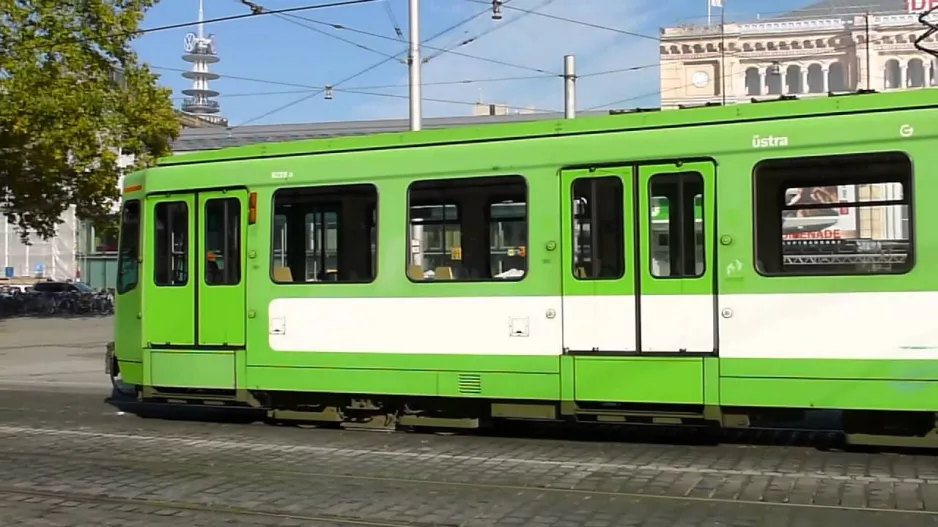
[(128, 266), (467, 229), (845, 228), (171, 244), (509, 252), (598, 252), (325, 234), (676, 227), (223, 241)]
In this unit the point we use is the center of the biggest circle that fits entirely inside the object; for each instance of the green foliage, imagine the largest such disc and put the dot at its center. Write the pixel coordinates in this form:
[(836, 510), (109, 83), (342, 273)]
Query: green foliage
[(72, 95)]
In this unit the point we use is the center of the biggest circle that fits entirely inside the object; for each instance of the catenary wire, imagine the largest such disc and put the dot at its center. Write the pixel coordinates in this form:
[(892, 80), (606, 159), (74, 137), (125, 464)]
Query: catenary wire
[(467, 20), (298, 21), (362, 89), (393, 19), (432, 99), (156, 29), (491, 29), (380, 86), (229, 18), (853, 44), (309, 87), (451, 52), (289, 18), (572, 21), (364, 71)]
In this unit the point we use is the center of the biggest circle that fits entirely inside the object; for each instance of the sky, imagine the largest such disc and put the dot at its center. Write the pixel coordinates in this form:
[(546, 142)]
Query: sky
[(272, 66)]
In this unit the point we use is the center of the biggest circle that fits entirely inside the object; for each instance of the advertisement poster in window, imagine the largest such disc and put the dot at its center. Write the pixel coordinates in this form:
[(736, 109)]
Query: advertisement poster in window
[(835, 222)]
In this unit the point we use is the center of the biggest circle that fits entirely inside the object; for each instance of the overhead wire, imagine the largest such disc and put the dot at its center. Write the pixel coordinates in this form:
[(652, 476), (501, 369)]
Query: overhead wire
[(302, 99), (309, 87), (289, 18), (365, 70), (156, 29), (397, 27), (491, 29), (313, 91), (432, 99), (571, 20), (450, 52), (467, 41), (458, 24), (376, 87)]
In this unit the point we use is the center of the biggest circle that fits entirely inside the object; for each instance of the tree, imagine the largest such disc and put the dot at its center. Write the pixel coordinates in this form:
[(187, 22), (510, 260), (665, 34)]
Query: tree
[(73, 95)]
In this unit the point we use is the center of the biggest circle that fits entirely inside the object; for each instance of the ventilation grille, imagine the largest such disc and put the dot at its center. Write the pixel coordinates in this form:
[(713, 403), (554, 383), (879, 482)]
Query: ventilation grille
[(470, 383)]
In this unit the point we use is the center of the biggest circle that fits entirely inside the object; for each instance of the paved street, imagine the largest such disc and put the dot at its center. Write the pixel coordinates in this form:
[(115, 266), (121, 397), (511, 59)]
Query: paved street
[(56, 353), (68, 459), (71, 460)]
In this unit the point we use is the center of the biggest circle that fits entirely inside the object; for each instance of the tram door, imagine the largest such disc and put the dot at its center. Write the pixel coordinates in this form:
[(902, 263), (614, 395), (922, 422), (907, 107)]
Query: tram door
[(599, 303), (195, 252), (222, 294), (675, 211), (169, 290)]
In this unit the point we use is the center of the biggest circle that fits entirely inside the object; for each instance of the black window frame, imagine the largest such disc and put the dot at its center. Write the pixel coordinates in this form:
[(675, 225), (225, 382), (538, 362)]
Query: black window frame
[(122, 255), (232, 255), (620, 233), (843, 162), (683, 243), (188, 244), (496, 198), (373, 222)]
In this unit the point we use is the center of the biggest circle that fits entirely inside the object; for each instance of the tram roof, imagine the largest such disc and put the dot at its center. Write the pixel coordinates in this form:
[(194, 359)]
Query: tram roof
[(618, 121), (193, 140)]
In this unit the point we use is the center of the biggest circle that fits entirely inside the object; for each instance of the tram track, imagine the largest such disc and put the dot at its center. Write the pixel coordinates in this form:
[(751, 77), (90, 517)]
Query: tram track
[(190, 467)]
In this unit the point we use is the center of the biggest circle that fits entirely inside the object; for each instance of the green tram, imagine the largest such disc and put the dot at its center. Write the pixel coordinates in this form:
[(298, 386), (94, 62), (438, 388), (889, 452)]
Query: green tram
[(719, 265)]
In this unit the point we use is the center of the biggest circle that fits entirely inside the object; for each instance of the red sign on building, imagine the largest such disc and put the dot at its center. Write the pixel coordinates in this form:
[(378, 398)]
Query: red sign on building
[(917, 6)]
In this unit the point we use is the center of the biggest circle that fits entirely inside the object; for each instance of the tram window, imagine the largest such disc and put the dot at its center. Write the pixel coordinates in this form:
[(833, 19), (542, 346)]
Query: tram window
[(171, 243), (223, 241), (468, 229), (598, 229), (128, 259), (834, 215), (325, 234), (676, 225)]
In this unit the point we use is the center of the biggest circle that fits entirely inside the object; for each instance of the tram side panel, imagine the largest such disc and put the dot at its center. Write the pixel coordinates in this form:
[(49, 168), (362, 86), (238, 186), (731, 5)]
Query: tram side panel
[(826, 290), (401, 293)]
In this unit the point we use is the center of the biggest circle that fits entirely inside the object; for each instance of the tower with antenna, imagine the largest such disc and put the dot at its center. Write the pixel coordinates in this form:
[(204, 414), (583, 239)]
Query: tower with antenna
[(200, 52)]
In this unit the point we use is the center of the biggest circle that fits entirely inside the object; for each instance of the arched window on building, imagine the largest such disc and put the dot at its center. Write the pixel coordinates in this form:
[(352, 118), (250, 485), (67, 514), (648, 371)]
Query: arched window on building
[(815, 79), (915, 74), (753, 81), (793, 79), (892, 75), (837, 77), (773, 80)]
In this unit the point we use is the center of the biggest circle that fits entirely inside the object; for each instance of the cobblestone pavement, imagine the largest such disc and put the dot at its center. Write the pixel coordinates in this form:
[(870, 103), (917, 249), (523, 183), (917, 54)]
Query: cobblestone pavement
[(68, 459)]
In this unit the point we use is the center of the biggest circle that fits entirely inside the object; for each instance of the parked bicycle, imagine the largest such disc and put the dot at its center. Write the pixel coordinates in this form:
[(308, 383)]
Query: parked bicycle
[(50, 299)]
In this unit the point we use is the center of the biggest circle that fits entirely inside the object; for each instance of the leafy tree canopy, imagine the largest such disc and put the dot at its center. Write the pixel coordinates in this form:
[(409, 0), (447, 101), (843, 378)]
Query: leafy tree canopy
[(72, 95)]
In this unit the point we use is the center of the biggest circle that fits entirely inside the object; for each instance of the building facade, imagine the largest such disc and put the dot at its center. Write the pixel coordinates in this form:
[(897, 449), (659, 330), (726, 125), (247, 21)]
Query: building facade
[(832, 46)]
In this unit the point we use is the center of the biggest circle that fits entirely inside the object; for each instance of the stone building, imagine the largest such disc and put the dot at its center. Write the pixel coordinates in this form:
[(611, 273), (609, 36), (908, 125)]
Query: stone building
[(831, 46)]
